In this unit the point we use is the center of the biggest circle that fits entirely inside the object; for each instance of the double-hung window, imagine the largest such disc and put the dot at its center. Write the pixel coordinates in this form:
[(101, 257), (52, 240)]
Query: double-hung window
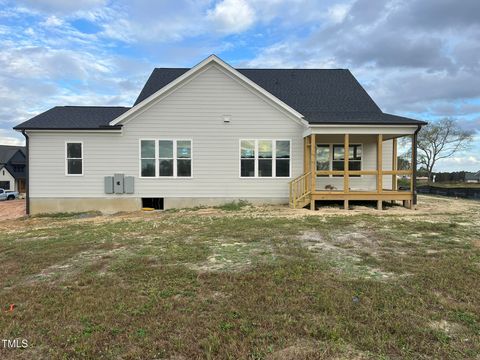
[(74, 158), (184, 158), (165, 158), (148, 158), (265, 158)]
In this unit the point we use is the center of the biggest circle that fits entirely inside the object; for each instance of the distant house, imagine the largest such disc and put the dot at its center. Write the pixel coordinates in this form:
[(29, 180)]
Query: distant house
[(213, 134), (471, 177), (12, 168)]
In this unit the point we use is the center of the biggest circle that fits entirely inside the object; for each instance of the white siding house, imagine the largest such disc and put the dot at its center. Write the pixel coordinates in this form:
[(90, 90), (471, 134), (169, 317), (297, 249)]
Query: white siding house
[(194, 126), (7, 181)]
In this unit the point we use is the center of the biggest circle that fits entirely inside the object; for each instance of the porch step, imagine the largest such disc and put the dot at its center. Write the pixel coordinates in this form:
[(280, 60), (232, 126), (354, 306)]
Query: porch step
[(300, 191)]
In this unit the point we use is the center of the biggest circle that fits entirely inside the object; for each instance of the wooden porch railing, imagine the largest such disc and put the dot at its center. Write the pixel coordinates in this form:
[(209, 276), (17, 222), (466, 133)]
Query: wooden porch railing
[(300, 191)]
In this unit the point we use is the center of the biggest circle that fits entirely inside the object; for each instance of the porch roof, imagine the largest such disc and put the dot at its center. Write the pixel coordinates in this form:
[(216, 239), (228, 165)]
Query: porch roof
[(355, 118)]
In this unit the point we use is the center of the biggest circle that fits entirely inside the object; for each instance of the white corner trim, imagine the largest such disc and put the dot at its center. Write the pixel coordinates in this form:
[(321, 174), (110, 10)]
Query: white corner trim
[(199, 67)]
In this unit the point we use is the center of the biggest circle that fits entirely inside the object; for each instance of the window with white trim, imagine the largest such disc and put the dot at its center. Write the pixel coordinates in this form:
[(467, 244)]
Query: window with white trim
[(74, 158), (331, 157), (265, 158), (165, 158), (147, 158)]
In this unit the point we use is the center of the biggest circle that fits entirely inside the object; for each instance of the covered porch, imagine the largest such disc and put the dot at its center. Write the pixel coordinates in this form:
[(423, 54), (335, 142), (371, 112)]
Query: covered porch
[(370, 171)]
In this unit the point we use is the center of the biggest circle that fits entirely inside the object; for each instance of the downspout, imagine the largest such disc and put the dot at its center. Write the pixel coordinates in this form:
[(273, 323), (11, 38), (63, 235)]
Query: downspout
[(27, 177), (414, 165)]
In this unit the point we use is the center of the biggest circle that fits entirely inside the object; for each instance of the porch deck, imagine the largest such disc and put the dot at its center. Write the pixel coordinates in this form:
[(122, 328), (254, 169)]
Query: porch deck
[(304, 189)]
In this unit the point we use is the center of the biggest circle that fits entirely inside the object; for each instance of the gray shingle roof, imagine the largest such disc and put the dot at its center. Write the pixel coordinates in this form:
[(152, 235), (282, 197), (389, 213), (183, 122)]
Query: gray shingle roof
[(74, 117), (7, 152), (305, 90), (323, 96), (13, 158)]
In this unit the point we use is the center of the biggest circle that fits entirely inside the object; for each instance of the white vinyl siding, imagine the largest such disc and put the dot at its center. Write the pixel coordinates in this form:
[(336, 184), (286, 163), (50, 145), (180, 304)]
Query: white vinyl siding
[(6, 177), (193, 111)]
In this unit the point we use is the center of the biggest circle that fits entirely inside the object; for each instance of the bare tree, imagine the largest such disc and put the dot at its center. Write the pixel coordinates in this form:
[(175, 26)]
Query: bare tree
[(440, 140)]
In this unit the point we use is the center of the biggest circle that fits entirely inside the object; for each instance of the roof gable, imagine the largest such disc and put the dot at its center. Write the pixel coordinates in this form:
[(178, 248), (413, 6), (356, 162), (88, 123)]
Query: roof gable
[(7, 152), (306, 90), (212, 59)]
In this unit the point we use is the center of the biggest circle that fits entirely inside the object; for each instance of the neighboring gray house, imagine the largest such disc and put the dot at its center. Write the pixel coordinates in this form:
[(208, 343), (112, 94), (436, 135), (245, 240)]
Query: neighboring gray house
[(213, 134), (12, 168)]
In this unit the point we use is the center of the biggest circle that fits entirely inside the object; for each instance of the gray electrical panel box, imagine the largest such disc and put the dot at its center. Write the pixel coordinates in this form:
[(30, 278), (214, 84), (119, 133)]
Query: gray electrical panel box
[(118, 183), (128, 185), (108, 184)]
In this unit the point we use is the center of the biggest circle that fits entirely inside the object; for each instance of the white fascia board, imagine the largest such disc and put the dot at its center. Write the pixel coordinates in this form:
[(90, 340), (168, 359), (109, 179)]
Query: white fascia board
[(73, 131), (361, 129), (193, 71)]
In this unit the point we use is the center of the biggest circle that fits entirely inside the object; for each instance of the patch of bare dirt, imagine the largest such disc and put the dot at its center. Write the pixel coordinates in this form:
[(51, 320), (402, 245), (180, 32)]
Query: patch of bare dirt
[(234, 257), (449, 328), (314, 350), (430, 208), (12, 209), (71, 267), (341, 250), (299, 350)]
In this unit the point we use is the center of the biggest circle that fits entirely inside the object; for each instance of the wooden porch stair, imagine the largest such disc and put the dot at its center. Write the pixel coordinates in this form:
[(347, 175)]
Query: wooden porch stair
[(300, 191)]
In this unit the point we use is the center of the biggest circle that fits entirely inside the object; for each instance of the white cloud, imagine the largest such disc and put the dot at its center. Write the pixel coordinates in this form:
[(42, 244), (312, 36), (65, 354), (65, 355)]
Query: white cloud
[(44, 66), (232, 16), (338, 12), (7, 139), (52, 21)]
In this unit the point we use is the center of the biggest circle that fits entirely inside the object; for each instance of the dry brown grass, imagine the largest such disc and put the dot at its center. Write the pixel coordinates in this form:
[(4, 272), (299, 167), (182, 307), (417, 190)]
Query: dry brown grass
[(247, 282)]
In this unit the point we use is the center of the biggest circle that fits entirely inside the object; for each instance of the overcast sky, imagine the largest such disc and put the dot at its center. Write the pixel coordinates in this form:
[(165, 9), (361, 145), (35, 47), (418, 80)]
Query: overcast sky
[(415, 58)]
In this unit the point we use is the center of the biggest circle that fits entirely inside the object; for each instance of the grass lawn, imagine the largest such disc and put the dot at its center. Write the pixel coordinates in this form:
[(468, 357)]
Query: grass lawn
[(243, 282)]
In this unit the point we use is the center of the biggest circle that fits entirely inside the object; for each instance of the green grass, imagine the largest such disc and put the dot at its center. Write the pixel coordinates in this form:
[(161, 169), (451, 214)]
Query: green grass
[(234, 285)]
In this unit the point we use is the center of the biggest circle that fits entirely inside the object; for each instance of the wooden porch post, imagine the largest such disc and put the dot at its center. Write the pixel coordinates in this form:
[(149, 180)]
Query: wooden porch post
[(346, 155), (313, 169), (306, 157), (414, 167), (379, 168), (394, 164)]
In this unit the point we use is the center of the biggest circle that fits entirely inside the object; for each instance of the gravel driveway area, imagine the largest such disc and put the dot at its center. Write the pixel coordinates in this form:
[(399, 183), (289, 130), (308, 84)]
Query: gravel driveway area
[(12, 209)]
